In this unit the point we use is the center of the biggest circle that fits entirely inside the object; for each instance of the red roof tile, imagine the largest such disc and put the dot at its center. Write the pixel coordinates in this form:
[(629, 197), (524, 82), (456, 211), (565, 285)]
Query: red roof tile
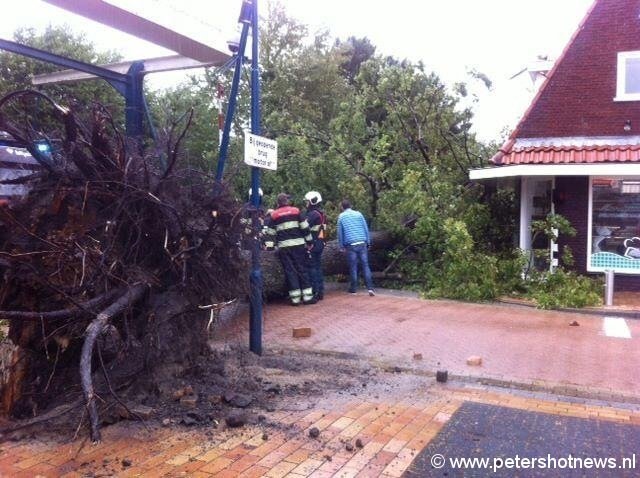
[(566, 154)]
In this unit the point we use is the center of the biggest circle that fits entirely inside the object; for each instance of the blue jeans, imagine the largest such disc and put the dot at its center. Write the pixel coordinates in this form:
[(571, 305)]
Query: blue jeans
[(314, 268), (355, 254)]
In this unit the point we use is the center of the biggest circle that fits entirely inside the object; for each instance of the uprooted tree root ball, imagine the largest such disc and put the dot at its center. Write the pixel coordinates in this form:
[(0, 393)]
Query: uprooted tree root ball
[(112, 262)]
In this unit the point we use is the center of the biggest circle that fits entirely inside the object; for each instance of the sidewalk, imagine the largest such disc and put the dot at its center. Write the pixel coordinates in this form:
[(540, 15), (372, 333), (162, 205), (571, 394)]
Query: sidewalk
[(391, 426), (521, 347), (392, 434)]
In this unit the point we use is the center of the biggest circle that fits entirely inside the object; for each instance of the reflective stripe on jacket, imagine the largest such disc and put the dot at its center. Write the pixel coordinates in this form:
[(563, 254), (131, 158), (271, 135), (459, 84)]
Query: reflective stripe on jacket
[(317, 223), (287, 228)]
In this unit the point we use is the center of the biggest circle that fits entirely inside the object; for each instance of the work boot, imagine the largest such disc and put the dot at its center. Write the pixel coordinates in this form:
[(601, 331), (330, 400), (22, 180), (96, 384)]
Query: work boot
[(311, 301), (371, 292)]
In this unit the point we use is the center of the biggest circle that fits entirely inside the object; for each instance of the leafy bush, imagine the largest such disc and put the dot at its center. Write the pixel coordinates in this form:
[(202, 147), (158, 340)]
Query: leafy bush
[(510, 267), (465, 273), (564, 289), (453, 267)]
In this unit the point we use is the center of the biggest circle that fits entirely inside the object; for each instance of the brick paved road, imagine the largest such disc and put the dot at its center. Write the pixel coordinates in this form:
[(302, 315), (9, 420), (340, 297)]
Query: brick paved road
[(393, 430), (516, 344), (394, 423)]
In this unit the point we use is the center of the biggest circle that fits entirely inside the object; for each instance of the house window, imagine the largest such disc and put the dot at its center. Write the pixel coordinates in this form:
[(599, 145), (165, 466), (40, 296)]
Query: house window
[(628, 85), (615, 225)]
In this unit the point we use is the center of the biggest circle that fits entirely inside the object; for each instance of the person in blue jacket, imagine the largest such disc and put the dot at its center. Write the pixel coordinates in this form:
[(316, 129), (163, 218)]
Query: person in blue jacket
[(354, 238)]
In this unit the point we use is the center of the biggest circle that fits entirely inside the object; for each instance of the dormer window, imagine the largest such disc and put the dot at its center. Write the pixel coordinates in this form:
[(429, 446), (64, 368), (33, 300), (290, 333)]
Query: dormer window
[(628, 86)]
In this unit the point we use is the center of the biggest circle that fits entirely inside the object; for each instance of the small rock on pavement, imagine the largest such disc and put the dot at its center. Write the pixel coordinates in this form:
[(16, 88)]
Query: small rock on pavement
[(314, 432), (417, 356), (178, 394), (236, 419), (265, 436), (359, 443), (166, 422), (301, 332), (442, 376), (238, 400), (474, 360), (142, 411), (189, 401), (188, 421), (575, 323), (273, 388), (126, 462), (196, 416), (123, 412), (348, 446), (214, 399)]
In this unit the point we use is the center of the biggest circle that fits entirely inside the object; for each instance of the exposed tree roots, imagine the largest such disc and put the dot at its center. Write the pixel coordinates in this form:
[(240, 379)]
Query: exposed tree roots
[(110, 249)]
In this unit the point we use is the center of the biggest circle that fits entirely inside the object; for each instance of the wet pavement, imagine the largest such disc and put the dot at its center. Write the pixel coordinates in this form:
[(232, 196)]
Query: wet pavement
[(544, 387), (538, 445), (519, 346)]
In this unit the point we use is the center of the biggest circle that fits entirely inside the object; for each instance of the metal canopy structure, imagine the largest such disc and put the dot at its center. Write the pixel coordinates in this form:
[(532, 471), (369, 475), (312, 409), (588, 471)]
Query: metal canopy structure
[(212, 50), (194, 50), (151, 65), (127, 77)]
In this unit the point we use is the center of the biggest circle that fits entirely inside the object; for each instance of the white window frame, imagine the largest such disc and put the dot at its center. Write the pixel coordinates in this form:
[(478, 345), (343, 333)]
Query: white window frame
[(590, 229), (623, 56)]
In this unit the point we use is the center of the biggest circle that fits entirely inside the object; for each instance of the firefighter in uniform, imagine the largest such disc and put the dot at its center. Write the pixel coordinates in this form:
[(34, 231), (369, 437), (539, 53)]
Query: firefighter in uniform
[(317, 225), (289, 232)]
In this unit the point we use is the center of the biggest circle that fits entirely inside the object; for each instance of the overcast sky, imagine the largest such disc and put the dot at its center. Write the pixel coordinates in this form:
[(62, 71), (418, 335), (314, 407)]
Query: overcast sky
[(496, 37)]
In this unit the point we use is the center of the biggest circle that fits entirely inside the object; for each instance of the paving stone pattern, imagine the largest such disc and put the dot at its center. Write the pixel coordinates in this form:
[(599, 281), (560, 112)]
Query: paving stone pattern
[(394, 425), (517, 344), (494, 432), (392, 431)]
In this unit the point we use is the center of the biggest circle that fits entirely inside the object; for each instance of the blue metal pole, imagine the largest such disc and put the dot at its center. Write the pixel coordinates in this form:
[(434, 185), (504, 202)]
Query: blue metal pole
[(255, 279), (231, 107), (134, 101)]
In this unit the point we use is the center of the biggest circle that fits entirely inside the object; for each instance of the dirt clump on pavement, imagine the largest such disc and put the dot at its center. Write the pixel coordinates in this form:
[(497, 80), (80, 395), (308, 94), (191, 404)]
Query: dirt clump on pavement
[(227, 389)]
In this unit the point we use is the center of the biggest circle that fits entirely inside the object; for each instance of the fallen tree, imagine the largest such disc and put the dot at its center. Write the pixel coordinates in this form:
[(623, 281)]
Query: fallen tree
[(109, 262), (334, 263)]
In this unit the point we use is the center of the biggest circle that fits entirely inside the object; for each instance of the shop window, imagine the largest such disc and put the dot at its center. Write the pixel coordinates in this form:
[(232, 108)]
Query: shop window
[(615, 225)]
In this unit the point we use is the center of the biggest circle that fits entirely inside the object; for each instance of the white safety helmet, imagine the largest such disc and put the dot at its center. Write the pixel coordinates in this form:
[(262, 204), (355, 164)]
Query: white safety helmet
[(313, 197)]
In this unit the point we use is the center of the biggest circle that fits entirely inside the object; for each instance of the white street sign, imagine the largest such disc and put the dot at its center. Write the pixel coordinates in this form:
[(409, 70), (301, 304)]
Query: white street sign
[(260, 152)]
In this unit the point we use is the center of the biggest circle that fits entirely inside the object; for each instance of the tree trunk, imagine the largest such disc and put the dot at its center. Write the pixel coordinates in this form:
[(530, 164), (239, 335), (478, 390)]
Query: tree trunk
[(334, 262)]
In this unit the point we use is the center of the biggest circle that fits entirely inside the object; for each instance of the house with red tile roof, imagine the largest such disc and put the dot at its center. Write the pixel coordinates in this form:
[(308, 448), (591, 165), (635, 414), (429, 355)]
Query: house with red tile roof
[(576, 150)]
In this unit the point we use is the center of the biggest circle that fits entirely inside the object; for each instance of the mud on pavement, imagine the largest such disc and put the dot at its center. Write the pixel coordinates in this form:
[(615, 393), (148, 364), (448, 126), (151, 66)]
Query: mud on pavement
[(230, 402), (230, 388)]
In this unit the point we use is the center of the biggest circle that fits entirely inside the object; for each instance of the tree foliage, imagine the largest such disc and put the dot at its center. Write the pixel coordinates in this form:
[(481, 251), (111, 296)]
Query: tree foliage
[(350, 122), (16, 70)]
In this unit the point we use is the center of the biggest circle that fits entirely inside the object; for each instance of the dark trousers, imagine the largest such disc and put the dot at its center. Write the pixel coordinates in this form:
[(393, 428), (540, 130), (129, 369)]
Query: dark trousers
[(357, 254), (293, 261), (314, 268)]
